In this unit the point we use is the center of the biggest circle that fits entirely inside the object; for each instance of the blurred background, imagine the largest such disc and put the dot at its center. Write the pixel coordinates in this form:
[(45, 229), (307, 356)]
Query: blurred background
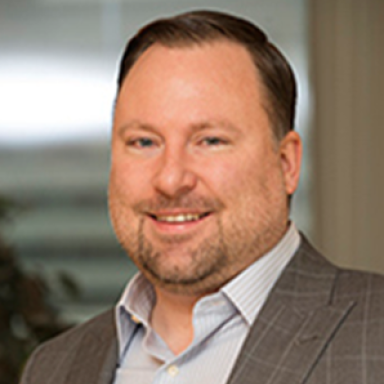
[(58, 65)]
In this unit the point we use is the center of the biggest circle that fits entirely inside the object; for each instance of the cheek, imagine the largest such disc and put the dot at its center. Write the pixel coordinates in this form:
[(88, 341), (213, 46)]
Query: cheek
[(222, 179), (120, 200), (252, 184), (127, 182), (237, 178), (119, 191)]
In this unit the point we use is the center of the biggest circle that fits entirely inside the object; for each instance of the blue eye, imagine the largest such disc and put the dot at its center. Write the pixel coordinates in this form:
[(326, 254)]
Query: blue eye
[(211, 141), (143, 142)]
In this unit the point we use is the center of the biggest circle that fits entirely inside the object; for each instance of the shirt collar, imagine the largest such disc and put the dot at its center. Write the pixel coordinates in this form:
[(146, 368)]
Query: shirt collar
[(138, 299), (249, 290)]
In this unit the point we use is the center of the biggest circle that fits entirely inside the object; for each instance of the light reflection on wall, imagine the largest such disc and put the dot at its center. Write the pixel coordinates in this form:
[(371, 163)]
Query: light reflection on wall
[(44, 100)]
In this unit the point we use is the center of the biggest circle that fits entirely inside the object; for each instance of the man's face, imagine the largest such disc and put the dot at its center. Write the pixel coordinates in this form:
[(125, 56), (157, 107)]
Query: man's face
[(198, 186)]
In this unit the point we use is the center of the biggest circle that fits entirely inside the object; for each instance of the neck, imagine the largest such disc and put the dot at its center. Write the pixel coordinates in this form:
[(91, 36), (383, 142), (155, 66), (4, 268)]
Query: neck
[(172, 319)]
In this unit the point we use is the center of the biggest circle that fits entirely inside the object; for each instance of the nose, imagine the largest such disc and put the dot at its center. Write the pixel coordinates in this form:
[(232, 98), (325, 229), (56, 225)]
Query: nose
[(174, 176)]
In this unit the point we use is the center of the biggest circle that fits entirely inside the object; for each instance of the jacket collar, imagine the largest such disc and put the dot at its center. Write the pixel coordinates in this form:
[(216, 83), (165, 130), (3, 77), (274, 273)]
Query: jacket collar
[(297, 320)]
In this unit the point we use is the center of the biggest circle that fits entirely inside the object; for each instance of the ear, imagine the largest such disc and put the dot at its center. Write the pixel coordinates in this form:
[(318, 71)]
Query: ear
[(290, 157)]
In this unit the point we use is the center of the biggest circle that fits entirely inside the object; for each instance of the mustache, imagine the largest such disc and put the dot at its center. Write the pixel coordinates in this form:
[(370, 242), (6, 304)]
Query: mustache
[(193, 203)]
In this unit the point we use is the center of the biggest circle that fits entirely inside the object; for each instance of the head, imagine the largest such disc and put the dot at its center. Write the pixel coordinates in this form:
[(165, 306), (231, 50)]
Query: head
[(204, 158), (202, 27)]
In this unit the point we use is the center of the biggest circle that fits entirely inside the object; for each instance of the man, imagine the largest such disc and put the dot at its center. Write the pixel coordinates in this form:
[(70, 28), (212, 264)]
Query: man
[(204, 162)]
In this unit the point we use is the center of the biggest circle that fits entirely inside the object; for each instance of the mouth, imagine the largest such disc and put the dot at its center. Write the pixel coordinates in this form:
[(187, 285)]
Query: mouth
[(178, 218)]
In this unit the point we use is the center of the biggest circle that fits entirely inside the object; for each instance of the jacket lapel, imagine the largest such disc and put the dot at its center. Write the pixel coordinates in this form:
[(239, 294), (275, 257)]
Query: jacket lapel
[(96, 358), (295, 324)]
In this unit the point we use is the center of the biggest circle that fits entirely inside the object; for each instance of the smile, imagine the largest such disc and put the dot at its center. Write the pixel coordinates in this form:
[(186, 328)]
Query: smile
[(180, 217)]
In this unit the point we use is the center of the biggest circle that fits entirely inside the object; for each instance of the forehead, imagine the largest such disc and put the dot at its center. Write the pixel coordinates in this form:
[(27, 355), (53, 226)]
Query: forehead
[(212, 81), (211, 59)]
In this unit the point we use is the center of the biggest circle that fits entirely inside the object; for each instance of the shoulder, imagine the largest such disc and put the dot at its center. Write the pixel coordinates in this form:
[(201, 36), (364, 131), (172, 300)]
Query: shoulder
[(100, 326), (362, 288), (59, 352), (348, 282), (312, 279), (365, 289)]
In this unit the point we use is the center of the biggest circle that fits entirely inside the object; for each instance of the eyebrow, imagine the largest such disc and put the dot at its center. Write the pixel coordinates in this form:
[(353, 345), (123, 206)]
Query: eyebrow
[(214, 124), (195, 127), (134, 125)]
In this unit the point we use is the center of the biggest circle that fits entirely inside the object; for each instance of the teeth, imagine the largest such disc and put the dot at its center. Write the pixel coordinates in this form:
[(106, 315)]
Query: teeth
[(179, 218)]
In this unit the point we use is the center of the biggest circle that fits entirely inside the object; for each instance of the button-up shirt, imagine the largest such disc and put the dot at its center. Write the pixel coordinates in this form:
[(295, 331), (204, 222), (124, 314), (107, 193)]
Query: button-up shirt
[(221, 323)]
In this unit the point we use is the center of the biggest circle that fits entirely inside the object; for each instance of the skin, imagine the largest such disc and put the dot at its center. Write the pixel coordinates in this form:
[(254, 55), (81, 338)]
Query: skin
[(191, 136)]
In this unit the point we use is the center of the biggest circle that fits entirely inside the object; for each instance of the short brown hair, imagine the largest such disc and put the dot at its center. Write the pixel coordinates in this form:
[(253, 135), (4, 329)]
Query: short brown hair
[(198, 27)]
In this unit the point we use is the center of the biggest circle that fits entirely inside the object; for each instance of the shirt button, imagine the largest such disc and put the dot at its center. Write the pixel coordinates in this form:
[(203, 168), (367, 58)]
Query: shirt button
[(173, 370), (135, 319)]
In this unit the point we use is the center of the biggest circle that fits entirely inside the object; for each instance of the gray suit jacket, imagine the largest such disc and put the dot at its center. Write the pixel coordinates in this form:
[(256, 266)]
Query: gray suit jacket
[(320, 325)]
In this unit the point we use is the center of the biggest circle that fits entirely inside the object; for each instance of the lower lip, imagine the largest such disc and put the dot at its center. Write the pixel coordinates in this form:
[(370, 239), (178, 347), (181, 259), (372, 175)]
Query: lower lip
[(178, 227)]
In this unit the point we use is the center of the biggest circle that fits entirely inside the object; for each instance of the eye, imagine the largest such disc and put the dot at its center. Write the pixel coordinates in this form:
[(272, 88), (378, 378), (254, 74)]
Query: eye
[(141, 142), (213, 141)]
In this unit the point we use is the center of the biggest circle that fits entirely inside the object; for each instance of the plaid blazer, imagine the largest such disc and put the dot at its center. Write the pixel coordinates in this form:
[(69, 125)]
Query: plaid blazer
[(320, 325)]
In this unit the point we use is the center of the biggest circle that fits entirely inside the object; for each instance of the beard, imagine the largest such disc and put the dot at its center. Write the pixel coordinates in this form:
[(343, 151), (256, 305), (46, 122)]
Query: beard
[(178, 263), (190, 264), (197, 268)]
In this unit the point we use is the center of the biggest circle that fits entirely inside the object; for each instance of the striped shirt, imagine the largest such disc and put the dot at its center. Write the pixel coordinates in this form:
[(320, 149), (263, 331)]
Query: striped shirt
[(221, 322)]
